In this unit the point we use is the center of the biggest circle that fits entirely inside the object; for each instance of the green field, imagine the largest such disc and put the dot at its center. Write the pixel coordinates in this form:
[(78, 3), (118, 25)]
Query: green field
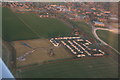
[(85, 30), (24, 26), (109, 37), (84, 68)]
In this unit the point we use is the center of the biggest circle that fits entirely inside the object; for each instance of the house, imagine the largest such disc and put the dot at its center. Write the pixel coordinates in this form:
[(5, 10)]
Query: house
[(107, 12), (101, 19), (93, 8), (97, 23)]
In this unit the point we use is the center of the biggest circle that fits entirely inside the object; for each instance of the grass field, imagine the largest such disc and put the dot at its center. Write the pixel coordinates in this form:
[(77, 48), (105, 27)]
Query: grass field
[(109, 37), (41, 54), (24, 26), (85, 30), (83, 68)]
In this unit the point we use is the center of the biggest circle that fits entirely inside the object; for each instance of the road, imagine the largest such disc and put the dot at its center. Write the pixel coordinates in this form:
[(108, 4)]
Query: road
[(94, 29)]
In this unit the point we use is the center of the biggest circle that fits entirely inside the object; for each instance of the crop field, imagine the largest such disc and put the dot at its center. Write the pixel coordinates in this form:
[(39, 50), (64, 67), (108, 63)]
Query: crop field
[(83, 68), (109, 37), (25, 26)]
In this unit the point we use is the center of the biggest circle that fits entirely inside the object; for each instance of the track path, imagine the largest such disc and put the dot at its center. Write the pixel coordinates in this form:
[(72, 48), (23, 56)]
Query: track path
[(96, 36)]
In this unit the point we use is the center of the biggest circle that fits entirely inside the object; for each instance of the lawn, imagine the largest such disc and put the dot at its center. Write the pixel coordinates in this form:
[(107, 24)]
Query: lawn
[(24, 26), (83, 68), (109, 37)]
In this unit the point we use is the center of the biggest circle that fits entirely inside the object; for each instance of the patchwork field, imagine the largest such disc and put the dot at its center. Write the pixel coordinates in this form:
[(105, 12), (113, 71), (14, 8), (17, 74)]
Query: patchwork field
[(109, 37), (25, 26), (41, 52)]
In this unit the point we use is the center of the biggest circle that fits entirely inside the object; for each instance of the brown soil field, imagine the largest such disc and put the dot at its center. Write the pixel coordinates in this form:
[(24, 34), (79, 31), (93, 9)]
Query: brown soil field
[(41, 53)]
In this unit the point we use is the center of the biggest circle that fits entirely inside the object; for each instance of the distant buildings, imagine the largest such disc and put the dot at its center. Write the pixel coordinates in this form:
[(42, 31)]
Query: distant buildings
[(100, 16)]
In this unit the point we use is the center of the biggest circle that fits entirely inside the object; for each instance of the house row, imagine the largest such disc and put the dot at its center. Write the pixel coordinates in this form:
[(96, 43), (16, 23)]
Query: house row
[(44, 16), (97, 23), (54, 42), (77, 46), (72, 50), (68, 38), (82, 48)]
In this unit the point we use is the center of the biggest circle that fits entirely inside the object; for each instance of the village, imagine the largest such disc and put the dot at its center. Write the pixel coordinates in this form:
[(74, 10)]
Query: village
[(99, 17)]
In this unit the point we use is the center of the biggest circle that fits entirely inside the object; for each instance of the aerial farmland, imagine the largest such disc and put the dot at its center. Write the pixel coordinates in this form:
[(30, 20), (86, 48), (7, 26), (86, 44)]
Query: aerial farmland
[(55, 41)]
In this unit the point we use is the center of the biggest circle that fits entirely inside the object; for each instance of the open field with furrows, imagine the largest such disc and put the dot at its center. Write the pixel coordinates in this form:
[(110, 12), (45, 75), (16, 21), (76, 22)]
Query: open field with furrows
[(103, 67), (25, 26), (109, 37), (41, 53)]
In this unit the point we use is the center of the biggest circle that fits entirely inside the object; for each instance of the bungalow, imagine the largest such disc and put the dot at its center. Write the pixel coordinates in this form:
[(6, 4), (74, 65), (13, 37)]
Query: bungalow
[(96, 23), (114, 18), (93, 8), (98, 54), (107, 12), (101, 19), (54, 42)]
